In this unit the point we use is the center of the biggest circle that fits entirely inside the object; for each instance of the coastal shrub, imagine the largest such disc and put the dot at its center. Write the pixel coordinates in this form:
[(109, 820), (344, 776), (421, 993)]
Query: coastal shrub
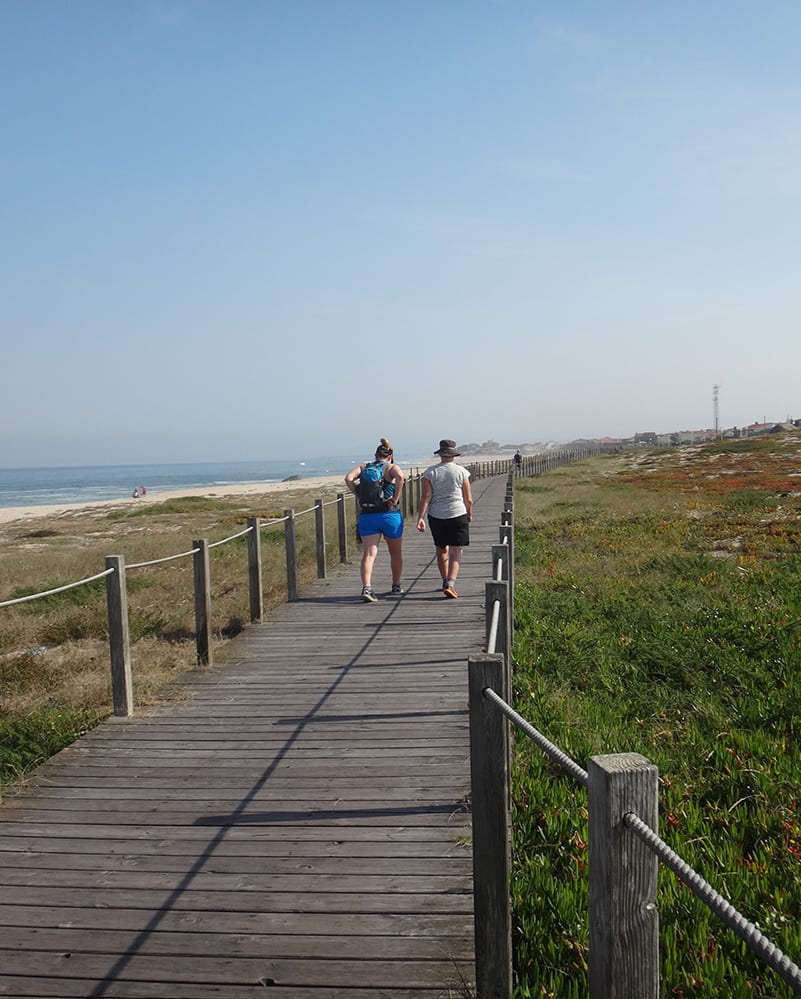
[(27, 742), (665, 622)]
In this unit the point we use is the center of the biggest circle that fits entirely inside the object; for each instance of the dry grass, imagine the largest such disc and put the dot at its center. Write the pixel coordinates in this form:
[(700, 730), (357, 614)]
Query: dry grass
[(54, 651)]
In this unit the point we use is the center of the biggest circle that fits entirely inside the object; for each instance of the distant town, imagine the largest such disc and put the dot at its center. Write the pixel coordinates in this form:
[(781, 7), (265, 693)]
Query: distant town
[(647, 438)]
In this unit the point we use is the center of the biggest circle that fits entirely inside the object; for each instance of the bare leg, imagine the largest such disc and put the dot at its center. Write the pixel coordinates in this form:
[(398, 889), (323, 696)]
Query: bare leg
[(442, 562), (395, 546), (454, 561), (369, 552)]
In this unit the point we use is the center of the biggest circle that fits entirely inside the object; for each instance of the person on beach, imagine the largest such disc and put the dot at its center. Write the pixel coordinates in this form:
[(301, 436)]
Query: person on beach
[(135, 493), (518, 460), (448, 501), (379, 515)]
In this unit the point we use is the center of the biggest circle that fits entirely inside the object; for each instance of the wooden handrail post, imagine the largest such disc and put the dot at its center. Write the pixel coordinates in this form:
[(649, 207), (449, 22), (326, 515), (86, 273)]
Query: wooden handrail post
[(319, 525), (202, 574), (342, 528), (255, 585), (292, 588), (119, 637), (624, 922), (489, 777)]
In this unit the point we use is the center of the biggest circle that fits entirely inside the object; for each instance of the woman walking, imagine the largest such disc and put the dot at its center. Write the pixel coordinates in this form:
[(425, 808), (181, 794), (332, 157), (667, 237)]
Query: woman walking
[(448, 501), (377, 486)]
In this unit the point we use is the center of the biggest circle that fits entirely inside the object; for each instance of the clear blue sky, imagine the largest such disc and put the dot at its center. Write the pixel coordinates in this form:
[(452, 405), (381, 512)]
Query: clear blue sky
[(266, 228)]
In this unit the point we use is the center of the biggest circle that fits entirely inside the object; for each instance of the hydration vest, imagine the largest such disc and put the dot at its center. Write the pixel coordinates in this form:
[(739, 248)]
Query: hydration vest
[(371, 488)]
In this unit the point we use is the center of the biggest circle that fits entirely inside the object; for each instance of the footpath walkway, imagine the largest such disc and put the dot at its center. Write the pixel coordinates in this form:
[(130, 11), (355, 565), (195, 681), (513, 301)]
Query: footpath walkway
[(300, 823)]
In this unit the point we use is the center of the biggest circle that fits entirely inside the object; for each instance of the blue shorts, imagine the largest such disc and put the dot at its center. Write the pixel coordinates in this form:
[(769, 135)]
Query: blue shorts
[(389, 523)]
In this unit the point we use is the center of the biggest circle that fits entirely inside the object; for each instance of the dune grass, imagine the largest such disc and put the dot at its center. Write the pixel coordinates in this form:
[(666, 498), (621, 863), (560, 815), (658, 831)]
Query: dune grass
[(54, 658), (658, 610)]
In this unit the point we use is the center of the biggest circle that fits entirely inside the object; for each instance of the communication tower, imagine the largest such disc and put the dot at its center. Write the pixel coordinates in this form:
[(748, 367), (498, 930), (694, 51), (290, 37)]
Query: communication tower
[(715, 390)]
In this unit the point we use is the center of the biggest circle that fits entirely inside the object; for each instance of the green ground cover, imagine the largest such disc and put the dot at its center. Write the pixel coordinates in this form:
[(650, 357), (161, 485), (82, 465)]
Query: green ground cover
[(658, 610)]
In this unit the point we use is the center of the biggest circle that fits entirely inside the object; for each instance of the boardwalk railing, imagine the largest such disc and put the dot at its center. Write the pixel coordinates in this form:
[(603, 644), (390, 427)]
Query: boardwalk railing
[(624, 847), (116, 573)]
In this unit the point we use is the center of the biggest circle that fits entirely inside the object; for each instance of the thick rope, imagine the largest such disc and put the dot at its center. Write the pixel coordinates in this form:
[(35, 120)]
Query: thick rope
[(57, 589), (545, 745), (157, 561), (724, 910), (492, 638), (232, 538)]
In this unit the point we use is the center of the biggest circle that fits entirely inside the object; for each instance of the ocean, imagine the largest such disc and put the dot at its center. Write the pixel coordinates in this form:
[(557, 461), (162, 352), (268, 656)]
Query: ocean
[(46, 486)]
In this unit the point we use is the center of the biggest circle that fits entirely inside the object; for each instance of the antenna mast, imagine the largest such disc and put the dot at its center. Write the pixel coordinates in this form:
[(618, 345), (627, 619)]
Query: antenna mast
[(715, 390)]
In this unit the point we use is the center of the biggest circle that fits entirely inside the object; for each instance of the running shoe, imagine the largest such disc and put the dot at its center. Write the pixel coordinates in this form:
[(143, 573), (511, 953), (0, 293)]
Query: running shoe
[(368, 596), (449, 591), (397, 590)]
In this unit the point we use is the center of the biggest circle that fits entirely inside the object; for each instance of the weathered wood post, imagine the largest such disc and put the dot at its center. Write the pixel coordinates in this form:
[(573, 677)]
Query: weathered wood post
[(489, 776), (202, 574), (624, 922), (119, 637), (255, 585), (342, 528), (292, 587), (319, 525)]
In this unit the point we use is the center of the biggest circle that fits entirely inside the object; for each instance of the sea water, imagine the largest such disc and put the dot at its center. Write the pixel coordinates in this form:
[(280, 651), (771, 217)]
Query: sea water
[(91, 483)]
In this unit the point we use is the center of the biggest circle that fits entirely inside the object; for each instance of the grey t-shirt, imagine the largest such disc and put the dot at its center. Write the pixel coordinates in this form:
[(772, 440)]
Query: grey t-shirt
[(446, 480)]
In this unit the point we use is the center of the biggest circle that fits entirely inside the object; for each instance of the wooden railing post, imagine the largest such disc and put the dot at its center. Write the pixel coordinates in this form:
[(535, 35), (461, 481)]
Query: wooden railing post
[(118, 637), (342, 528), (624, 922), (489, 777), (292, 588), (319, 524), (202, 575), (255, 585)]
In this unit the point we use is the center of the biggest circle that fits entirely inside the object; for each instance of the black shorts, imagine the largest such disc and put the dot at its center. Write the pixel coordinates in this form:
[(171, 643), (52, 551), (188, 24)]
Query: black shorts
[(453, 531)]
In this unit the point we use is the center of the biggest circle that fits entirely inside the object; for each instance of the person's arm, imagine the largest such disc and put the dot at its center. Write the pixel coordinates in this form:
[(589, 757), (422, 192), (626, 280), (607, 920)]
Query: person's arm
[(351, 478), (394, 474), (425, 502), (467, 496)]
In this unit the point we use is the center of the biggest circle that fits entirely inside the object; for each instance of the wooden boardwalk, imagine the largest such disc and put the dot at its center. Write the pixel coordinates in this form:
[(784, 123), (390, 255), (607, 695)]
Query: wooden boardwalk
[(298, 824)]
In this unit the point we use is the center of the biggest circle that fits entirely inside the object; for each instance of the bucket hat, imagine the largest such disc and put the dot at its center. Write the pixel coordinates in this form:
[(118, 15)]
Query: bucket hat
[(447, 449)]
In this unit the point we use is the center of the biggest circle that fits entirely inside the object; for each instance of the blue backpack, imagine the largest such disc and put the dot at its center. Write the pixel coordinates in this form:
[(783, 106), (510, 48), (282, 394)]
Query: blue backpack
[(371, 488)]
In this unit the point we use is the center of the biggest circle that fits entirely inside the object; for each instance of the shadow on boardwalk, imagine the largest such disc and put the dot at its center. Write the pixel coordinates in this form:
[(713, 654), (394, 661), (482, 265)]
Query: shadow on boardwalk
[(301, 822)]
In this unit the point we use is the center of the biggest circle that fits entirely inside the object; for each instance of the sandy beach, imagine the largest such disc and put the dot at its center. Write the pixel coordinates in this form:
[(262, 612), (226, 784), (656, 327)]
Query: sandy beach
[(24, 513), (326, 482)]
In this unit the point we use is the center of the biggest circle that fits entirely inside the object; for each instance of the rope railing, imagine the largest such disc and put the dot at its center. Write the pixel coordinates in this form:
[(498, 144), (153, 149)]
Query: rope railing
[(117, 598), (56, 589), (747, 931), (548, 747), (270, 523), (492, 639), (158, 561), (233, 537)]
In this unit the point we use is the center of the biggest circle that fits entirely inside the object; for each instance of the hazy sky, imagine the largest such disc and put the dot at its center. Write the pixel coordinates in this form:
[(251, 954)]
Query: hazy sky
[(257, 229)]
